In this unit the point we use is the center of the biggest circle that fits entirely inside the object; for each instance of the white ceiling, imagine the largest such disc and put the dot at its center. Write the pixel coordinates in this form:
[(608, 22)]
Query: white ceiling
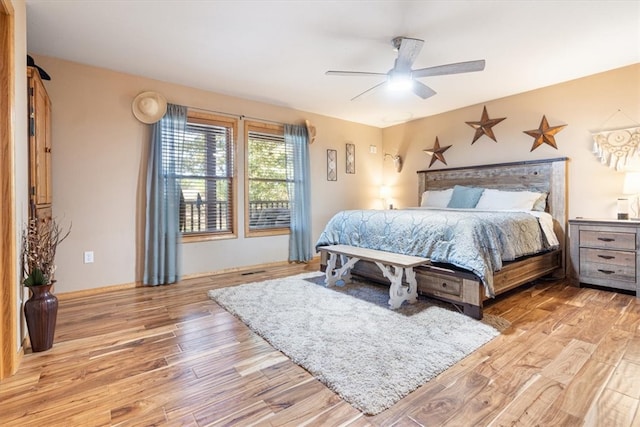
[(277, 51)]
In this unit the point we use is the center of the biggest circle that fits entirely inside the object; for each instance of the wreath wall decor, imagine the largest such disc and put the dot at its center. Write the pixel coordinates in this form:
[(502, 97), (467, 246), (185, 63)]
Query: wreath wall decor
[(616, 147)]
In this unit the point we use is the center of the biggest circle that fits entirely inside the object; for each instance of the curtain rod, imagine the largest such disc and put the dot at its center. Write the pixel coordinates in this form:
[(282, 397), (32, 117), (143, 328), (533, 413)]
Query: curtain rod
[(239, 116)]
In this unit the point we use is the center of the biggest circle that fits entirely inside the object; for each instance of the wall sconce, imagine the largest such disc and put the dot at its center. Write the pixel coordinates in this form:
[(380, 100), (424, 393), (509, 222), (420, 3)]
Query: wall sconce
[(397, 161), (632, 187)]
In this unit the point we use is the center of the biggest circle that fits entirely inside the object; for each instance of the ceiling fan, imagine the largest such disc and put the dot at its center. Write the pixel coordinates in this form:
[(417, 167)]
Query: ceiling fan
[(402, 76)]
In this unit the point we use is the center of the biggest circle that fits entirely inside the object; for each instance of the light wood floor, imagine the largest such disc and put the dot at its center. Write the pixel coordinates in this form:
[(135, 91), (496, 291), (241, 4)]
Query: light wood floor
[(170, 356)]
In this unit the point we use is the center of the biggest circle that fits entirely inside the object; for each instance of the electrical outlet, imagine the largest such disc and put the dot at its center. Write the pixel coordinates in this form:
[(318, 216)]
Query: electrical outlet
[(88, 257), (373, 149)]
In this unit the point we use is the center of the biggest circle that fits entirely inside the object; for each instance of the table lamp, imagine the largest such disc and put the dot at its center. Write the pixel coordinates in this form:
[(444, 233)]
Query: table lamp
[(632, 187), (385, 194)]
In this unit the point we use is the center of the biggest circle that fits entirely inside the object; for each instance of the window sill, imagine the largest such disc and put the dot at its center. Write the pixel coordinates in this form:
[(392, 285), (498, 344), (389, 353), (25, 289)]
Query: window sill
[(204, 237), (268, 232)]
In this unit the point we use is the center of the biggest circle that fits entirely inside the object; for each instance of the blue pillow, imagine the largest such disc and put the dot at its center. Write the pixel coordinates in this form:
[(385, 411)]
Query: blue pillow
[(465, 197)]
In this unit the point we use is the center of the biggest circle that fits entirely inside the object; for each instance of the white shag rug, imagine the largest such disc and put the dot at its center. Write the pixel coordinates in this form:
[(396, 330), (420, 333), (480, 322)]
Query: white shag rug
[(350, 340)]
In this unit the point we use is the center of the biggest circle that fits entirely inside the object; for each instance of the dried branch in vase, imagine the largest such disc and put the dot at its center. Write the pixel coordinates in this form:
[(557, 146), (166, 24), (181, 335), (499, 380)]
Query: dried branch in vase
[(40, 241)]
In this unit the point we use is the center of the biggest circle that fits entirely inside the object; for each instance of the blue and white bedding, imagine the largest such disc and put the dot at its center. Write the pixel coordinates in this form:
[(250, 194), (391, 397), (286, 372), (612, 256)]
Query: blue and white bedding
[(475, 240)]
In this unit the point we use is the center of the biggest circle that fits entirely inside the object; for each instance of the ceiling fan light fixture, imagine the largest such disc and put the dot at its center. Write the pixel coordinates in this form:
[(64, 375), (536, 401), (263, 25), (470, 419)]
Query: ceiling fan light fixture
[(399, 82), (403, 78)]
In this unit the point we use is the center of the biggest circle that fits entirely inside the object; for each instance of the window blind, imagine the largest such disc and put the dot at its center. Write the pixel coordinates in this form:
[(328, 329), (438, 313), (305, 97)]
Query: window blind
[(205, 178), (270, 173)]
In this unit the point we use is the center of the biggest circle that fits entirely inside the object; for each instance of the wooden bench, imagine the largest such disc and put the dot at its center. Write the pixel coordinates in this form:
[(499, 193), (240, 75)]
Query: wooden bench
[(402, 265)]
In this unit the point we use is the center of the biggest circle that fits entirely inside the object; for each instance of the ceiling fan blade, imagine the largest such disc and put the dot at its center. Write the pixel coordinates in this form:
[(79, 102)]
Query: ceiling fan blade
[(353, 73), (458, 67), (368, 90), (422, 90), (407, 52)]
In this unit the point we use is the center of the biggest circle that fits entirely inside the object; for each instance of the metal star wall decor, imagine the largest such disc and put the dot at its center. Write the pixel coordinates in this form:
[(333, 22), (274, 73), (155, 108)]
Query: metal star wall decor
[(484, 126), (544, 134), (437, 152)]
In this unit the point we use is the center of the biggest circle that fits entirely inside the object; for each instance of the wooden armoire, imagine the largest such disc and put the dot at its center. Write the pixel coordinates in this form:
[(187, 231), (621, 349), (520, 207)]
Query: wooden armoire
[(39, 147)]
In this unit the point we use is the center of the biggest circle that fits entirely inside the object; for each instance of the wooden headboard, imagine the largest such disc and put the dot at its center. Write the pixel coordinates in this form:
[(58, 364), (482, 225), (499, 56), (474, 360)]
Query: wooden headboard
[(548, 176)]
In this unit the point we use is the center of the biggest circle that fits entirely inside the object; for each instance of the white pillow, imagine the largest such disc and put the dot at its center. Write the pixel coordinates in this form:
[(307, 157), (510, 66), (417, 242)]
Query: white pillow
[(496, 200), (436, 198), (541, 203)]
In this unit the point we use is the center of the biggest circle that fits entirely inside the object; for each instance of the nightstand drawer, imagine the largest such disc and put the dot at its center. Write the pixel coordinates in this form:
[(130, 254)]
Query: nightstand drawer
[(626, 273), (607, 240), (606, 256)]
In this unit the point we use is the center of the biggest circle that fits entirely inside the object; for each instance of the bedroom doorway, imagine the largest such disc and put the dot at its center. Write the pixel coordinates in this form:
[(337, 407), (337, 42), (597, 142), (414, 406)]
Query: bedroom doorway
[(8, 312)]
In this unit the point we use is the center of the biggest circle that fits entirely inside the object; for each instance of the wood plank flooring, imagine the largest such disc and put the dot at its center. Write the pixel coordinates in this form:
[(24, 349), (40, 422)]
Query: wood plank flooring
[(170, 356)]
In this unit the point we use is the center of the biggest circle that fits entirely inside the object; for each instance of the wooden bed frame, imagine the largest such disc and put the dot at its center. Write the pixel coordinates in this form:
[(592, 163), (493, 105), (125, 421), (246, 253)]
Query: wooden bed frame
[(464, 288)]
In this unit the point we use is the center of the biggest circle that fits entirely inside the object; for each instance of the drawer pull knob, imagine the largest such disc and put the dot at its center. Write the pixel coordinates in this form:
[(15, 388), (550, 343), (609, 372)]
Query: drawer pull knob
[(606, 239), (444, 284), (606, 271), (606, 256)]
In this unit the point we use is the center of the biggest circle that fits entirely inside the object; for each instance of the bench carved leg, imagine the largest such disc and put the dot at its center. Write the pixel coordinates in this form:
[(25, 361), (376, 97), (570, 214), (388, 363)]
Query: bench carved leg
[(333, 275), (397, 292), (412, 296), (346, 276)]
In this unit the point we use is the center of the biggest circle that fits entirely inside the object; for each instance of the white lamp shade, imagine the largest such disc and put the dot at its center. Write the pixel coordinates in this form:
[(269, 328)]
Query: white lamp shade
[(632, 186), (384, 192), (631, 183)]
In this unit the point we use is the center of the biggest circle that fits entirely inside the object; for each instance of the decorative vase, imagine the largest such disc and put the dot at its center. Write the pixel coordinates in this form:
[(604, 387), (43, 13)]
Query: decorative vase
[(41, 312)]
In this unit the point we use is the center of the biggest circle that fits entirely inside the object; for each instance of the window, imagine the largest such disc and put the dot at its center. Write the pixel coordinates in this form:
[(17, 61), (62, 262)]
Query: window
[(205, 177), (269, 173)]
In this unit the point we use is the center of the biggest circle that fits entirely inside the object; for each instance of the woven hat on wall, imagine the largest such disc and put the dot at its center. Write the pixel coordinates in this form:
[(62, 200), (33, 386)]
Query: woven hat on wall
[(149, 107)]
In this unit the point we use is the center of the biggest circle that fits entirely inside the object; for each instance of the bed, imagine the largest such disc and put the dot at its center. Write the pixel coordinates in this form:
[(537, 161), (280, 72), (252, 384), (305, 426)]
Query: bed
[(469, 285)]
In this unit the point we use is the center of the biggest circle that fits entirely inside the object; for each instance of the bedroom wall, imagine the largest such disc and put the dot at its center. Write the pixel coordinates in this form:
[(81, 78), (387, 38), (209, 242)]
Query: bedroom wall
[(100, 151), (99, 157), (584, 105)]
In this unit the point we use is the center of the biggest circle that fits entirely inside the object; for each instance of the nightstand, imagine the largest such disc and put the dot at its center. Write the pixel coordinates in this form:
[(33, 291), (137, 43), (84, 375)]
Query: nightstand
[(605, 253)]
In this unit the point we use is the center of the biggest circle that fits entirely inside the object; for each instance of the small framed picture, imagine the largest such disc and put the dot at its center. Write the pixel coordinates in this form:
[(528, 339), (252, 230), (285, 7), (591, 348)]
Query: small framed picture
[(332, 165), (351, 158)]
